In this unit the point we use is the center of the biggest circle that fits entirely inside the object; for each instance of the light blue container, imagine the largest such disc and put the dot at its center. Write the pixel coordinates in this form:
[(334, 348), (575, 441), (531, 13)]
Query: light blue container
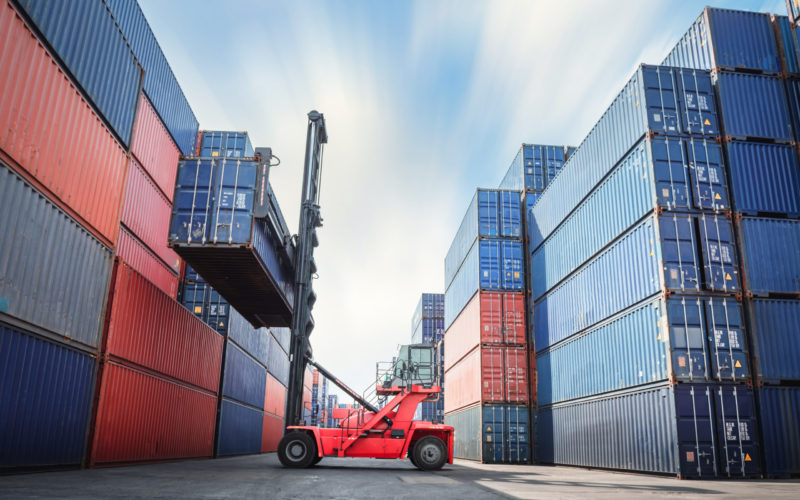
[(753, 107), (765, 178)]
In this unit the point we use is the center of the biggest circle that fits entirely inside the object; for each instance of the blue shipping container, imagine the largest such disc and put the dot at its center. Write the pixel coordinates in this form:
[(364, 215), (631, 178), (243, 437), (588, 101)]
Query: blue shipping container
[(688, 339), (428, 331), (728, 39), (430, 305), (779, 413), (86, 39), (765, 178), (787, 44), (666, 173), (491, 434), (670, 252), (278, 362), (491, 214), (770, 256), (239, 429), (685, 430), (794, 10), (792, 86), (283, 336), (658, 100), (46, 392), (490, 265), (243, 378), (534, 166), (219, 227), (773, 335), (753, 106), (53, 273), (160, 83), (215, 143)]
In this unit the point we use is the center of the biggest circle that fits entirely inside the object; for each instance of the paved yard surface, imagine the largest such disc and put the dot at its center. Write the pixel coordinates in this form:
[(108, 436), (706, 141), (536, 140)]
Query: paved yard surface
[(261, 476)]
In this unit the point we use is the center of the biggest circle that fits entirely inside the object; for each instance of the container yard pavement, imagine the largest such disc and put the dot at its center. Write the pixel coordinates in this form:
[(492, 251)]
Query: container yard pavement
[(261, 476)]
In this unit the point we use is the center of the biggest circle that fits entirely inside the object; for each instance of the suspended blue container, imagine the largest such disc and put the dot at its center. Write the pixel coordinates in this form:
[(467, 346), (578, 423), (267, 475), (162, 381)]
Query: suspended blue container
[(729, 40), (221, 143), (665, 173), (687, 339), (534, 166), (491, 214), (656, 100), (84, 36), (160, 83), (678, 253), (770, 255), (243, 378), (779, 412), (239, 429), (753, 107), (765, 178), (773, 335), (491, 265), (46, 394)]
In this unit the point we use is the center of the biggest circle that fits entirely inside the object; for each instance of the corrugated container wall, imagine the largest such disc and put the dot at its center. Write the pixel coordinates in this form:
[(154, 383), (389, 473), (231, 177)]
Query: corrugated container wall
[(787, 44), (90, 44), (160, 83), (53, 135), (53, 273), (765, 178), (243, 378), (773, 336), (779, 408), (764, 243), (240, 428), (154, 149), (136, 254), (753, 106)]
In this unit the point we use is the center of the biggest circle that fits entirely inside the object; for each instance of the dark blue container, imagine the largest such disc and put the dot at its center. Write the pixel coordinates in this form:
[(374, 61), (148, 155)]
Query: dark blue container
[(792, 86), (774, 339), (283, 336), (770, 256), (160, 83), (91, 46), (226, 144), (428, 331), (506, 437), (243, 378), (534, 167), (222, 225), (779, 413), (239, 429), (46, 392), (278, 362), (765, 178), (430, 305), (787, 44), (753, 107)]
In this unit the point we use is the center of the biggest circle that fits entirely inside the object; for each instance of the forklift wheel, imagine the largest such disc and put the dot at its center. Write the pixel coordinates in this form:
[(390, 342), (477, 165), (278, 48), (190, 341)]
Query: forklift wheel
[(411, 457), (317, 458), (297, 449), (430, 453)]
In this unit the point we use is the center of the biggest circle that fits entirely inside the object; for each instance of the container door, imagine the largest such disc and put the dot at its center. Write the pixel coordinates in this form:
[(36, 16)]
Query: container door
[(489, 255), (670, 175), (510, 214), (699, 112), (493, 384), (738, 433), (539, 180), (233, 212), (513, 319), (661, 100), (191, 219), (718, 253), (518, 434), (706, 168), (488, 211), (729, 358), (687, 339), (493, 431), (679, 252), (527, 167), (516, 375), (696, 433), (491, 317), (512, 268)]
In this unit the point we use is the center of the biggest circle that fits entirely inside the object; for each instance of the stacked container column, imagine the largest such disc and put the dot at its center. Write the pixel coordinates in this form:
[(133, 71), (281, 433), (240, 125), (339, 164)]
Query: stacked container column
[(427, 327)]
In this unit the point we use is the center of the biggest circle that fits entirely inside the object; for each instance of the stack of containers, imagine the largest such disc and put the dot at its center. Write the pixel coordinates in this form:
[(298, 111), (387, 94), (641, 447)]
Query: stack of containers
[(323, 403), (534, 166), (794, 11), (315, 410), (308, 378), (427, 327), (755, 62), (486, 368), (333, 402), (632, 245)]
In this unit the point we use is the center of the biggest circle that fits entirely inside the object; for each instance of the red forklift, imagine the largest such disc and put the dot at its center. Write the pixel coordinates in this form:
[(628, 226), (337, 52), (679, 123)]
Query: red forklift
[(388, 432)]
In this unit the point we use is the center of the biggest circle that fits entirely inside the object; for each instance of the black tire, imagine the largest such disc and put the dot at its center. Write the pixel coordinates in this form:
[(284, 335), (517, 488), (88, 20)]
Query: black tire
[(430, 453), (411, 457), (317, 458), (297, 450)]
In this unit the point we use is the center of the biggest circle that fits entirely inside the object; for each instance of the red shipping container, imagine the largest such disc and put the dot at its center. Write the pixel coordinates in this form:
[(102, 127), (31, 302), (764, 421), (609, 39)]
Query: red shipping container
[(307, 398), (52, 134), (315, 379), (272, 433), (146, 212), (478, 377), (139, 257), (143, 417), (154, 149), (488, 318), (150, 329), (515, 361), (275, 398)]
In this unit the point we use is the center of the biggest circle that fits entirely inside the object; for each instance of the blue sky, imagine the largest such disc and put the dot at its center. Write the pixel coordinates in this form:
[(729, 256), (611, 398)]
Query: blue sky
[(424, 102)]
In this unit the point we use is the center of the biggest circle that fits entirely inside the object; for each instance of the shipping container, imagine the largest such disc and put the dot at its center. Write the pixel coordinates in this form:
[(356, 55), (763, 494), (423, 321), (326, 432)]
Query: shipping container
[(428, 331), (278, 362), (146, 212), (491, 433), (792, 86), (753, 107), (488, 318), (136, 254), (275, 397), (46, 391), (91, 47), (488, 374), (678, 253), (491, 214), (686, 339), (491, 265), (159, 83), (283, 336), (53, 273), (788, 48), (218, 228), (53, 135), (534, 166), (141, 416), (661, 173), (430, 305), (240, 428), (243, 378), (729, 40), (770, 257), (773, 335), (685, 430), (656, 100), (765, 178), (213, 143), (794, 10), (271, 433), (150, 329), (779, 414), (153, 148)]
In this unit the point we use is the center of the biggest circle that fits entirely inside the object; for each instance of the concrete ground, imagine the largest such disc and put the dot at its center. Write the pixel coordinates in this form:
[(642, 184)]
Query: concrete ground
[(261, 476)]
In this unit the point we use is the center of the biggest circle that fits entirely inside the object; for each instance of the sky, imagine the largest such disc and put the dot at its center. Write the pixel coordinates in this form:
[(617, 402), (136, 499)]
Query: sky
[(424, 102)]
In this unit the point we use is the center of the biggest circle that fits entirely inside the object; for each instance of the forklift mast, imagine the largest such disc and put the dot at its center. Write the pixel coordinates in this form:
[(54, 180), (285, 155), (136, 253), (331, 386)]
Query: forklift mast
[(305, 267)]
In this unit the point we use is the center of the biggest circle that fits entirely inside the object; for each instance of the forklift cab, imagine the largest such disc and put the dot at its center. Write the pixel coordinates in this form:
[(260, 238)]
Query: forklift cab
[(414, 366)]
